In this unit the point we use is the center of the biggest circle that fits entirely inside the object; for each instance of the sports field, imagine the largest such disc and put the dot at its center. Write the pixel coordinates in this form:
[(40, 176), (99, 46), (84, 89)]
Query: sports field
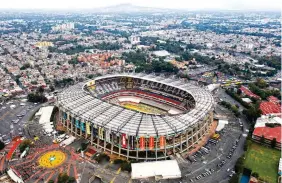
[(264, 161), (142, 108)]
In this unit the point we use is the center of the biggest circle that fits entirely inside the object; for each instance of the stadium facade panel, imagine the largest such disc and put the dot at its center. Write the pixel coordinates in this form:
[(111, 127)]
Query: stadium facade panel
[(91, 110)]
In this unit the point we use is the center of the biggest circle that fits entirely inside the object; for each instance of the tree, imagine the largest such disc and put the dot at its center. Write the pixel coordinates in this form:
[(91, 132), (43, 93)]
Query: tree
[(261, 83), (239, 165), (50, 181), (71, 180), (255, 174), (34, 82), (252, 113), (35, 97), (64, 178), (40, 90), (262, 139), (2, 145), (51, 87), (24, 144), (25, 66), (239, 91), (125, 166), (234, 179), (273, 142), (83, 146)]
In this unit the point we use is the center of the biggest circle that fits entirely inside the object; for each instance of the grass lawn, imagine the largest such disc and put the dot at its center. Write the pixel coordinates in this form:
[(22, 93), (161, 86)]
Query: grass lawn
[(264, 161)]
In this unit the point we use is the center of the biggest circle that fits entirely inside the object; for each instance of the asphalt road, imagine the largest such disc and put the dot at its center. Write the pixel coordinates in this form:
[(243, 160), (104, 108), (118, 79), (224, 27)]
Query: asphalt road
[(220, 151)]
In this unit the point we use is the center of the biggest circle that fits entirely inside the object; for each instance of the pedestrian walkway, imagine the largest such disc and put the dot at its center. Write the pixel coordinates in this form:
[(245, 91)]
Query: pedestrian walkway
[(16, 142)]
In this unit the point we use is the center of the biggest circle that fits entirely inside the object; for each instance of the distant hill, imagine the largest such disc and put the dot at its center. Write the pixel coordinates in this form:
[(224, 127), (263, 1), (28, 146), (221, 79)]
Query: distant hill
[(128, 8)]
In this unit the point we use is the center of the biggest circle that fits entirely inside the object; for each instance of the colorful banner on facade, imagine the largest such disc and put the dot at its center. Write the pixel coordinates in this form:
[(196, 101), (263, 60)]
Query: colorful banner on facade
[(142, 143), (88, 128), (162, 142), (90, 83), (82, 126), (123, 140), (77, 123), (65, 115), (151, 143), (95, 131), (108, 137), (101, 133), (132, 142)]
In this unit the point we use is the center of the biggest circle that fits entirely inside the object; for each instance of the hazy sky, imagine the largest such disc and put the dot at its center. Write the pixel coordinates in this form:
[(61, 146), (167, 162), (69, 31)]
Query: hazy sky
[(183, 4)]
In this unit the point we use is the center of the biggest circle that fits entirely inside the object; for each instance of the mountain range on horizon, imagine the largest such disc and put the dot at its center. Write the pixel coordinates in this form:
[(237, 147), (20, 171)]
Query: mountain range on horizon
[(129, 8)]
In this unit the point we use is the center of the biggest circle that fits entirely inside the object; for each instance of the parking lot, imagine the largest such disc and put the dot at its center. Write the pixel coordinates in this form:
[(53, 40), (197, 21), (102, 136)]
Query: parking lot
[(215, 161), (13, 116)]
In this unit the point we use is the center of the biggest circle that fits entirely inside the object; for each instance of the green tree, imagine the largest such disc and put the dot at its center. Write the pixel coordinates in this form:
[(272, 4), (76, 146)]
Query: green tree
[(2, 145), (262, 139), (71, 180), (273, 142), (50, 181), (83, 146), (239, 92), (255, 174), (24, 144), (126, 166), (34, 82), (64, 178), (261, 83), (234, 178), (40, 90), (51, 87), (239, 165)]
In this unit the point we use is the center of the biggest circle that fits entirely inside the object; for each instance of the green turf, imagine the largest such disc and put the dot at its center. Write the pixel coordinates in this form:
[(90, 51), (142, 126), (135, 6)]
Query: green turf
[(264, 161)]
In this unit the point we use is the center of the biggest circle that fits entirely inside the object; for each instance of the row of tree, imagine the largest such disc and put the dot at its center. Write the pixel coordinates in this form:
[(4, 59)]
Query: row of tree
[(37, 96), (264, 93), (63, 82), (63, 178), (233, 108)]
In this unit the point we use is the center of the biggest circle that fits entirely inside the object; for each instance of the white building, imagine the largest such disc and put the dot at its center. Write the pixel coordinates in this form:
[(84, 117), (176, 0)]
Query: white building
[(167, 169), (134, 39)]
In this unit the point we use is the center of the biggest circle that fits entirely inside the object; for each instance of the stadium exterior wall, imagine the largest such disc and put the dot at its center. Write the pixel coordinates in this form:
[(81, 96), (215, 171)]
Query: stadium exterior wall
[(181, 142)]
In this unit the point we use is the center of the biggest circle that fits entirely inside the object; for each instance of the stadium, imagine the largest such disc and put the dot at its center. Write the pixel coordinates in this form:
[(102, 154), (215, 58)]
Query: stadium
[(137, 116)]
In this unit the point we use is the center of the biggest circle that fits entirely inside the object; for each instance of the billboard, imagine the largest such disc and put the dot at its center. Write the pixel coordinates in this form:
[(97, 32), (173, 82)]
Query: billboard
[(76, 123), (142, 143), (101, 133), (65, 115), (82, 126), (88, 128), (151, 143), (107, 135), (123, 140), (132, 142), (162, 142), (95, 131)]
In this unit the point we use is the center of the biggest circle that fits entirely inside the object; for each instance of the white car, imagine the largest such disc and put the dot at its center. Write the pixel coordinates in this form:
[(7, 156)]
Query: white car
[(6, 142)]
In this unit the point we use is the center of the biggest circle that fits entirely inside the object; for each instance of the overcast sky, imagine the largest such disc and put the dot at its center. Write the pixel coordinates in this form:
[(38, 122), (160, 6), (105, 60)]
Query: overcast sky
[(183, 4)]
